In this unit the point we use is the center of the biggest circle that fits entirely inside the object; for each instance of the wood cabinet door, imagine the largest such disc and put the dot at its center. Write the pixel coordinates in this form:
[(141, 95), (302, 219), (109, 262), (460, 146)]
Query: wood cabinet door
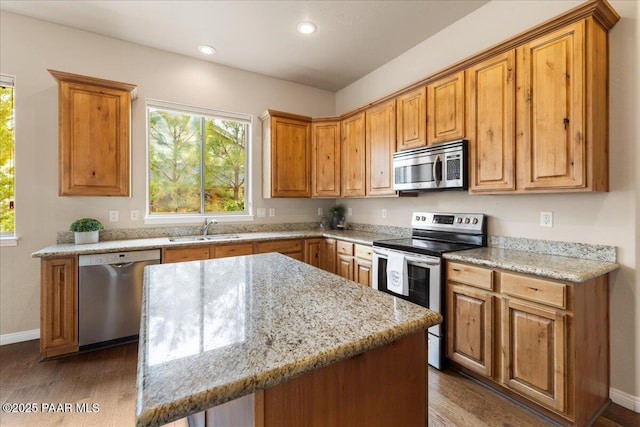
[(189, 253), (344, 266), (325, 159), (94, 138), (328, 255), (238, 249), (58, 306), (411, 119), (534, 350), (362, 271), (470, 328), (445, 108), (312, 250), (551, 110), (353, 156), (491, 124), (380, 145), (290, 157)]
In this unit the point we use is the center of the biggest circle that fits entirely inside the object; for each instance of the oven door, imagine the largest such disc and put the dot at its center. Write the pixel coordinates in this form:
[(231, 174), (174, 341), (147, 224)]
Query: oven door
[(424, 280)]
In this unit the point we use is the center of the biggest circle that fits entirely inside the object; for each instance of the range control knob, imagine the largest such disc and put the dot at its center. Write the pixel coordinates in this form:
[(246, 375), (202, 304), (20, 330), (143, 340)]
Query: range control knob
[(467, 220), (459, 220), (423, 218), (474, 221), (417, 217)]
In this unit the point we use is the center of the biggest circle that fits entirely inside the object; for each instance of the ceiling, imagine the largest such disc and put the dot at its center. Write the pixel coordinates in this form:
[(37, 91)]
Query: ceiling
[(353, 37)]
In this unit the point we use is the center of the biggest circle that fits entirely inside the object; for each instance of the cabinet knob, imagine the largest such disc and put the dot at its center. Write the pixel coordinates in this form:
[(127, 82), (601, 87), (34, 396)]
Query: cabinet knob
[(566, 122)]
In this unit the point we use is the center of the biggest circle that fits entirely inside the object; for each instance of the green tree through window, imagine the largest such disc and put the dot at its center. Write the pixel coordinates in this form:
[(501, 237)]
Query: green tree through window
[(7, 147), (197, 163)]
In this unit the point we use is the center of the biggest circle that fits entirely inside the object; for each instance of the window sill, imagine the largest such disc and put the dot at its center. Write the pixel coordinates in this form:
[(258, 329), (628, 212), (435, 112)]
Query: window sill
[(8, 241), (195, 219)]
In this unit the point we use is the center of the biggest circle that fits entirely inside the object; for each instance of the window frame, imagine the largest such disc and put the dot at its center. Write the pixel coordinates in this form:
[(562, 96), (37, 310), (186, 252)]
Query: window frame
[(7, 80), (196, 218)]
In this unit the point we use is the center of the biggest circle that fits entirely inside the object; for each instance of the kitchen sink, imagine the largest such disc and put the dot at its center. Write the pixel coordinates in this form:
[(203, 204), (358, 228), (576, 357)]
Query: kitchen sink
[(204, 238)]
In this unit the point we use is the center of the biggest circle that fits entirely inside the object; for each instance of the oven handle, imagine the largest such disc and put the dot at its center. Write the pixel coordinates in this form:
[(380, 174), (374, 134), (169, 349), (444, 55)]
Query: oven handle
[(413, 259)]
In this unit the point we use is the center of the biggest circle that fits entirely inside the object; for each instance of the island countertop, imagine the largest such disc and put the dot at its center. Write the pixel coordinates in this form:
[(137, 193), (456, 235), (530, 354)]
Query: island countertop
[(216, 330)]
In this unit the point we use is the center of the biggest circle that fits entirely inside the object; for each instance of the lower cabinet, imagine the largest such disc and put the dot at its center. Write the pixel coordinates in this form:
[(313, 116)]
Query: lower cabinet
[(328, 253), (312, 251), (224, 251), (188, 253), (58, 306), (292, 248), (354, 262), (543, 342)]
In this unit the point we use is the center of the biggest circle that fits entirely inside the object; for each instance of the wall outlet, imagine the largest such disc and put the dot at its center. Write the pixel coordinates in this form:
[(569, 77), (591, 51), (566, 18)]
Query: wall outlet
[(135, 215), (546, 219), (349, 211), (114, 216), (384, 213), (262, 212), (272, 211), (320, 211)]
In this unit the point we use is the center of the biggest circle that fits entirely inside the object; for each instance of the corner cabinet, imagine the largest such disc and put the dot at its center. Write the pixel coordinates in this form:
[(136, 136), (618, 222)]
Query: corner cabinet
[(94, 143), (380, 140), (353, 156), (286, 154), (58, 306), (543, 342), (325, 158)]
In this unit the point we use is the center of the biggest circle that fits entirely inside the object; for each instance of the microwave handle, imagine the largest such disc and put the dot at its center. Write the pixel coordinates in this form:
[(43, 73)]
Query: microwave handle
[(437, 171)]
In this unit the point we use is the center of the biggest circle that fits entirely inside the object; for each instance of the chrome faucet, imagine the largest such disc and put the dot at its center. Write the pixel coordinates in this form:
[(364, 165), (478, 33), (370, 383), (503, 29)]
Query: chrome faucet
[(207, 223)]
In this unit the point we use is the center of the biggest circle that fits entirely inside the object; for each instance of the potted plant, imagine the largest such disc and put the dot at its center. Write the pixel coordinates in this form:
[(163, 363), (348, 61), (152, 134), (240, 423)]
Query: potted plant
[(337, 215), (86, 230)]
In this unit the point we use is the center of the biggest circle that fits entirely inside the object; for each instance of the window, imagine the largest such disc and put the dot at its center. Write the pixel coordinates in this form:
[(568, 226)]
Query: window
[(7, 150), (197, 161)]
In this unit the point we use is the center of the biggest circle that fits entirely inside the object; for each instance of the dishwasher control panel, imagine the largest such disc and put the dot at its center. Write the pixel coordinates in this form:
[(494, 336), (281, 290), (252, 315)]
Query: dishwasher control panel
[(119, 257)]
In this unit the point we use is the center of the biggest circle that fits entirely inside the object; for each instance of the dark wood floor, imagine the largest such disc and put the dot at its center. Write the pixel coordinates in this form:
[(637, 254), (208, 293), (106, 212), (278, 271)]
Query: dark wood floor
[(107, 378)]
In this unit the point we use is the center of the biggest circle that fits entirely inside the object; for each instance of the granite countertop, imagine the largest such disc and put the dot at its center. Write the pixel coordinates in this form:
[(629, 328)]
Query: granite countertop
[(216, 330), (69, 249), (545, 265)]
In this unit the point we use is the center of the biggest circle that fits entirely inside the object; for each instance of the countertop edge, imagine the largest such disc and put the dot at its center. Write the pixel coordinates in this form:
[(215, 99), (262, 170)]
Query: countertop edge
[(158, 416), (600, 267), (69, 249)]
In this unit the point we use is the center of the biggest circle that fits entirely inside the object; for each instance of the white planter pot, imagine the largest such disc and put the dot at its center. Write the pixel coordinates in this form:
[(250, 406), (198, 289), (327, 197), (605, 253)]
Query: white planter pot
[(84, 237)]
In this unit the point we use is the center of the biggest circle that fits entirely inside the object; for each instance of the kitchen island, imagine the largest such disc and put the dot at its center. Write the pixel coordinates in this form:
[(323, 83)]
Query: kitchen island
[(307, 346)]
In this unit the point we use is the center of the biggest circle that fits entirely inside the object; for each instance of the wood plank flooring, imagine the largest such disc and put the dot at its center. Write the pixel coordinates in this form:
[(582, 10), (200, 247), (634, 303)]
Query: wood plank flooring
[(108, 378)]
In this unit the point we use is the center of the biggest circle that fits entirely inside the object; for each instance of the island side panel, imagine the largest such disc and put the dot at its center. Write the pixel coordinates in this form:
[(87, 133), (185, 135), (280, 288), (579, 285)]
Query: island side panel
[(382, 387)]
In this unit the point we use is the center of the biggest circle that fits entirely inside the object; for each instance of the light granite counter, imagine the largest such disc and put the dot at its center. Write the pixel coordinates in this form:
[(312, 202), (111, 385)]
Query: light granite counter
[(559, 267), (70, 249), (216, 330)]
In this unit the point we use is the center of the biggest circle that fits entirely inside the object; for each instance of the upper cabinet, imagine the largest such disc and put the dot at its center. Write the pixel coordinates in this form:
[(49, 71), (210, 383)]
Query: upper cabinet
[(380, 131), (94, 125), (287, 154), (325, 158), (445, 108), (353, 156), (491, 99), (551, 105), (411, 119)]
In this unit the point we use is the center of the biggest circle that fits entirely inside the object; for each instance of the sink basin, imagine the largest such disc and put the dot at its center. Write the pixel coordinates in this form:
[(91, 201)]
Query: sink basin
[(204, 238), (221, 237)]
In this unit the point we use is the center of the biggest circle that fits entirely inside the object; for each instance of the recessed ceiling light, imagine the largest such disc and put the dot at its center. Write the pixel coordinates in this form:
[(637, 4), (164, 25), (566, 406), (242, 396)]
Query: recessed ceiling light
[(306, 27), (206, 49)]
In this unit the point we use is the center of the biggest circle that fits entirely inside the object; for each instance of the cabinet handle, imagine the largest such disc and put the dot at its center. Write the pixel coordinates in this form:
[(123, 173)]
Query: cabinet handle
[(456, 269), (533, 289), (566, 122)]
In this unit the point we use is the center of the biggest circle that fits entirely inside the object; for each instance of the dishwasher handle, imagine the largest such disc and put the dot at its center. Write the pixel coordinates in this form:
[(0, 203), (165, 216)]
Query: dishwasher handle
[(122, 265)]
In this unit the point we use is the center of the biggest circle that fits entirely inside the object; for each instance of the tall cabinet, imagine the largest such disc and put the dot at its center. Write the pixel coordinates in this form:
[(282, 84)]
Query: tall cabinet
[(380, 131), (325, 158)]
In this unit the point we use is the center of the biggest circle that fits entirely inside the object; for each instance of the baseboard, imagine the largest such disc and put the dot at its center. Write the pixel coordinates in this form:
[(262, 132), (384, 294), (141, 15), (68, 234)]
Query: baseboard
[(33, 334), (625, 400)]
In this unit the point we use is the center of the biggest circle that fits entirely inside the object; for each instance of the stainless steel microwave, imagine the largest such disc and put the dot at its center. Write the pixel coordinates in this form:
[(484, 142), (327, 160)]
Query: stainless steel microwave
[(436, 167)]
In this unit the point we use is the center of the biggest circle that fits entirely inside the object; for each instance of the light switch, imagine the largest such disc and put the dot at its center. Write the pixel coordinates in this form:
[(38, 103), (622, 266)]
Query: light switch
[(262, 212), (272, 211)]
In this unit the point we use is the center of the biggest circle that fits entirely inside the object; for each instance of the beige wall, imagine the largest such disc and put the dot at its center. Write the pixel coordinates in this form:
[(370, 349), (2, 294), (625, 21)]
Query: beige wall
[(611, 218), (28, 48)]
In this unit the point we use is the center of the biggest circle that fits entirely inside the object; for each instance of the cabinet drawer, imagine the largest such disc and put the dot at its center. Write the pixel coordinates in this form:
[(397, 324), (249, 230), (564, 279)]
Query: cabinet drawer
[(345, 248), (185, 254), (470, 275), (364, 252), (536, 290), (281, 246), (232, 250)]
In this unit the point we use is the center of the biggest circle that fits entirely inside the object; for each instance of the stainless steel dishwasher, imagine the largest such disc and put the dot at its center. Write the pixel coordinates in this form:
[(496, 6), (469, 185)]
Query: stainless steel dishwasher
[(110, 296)]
